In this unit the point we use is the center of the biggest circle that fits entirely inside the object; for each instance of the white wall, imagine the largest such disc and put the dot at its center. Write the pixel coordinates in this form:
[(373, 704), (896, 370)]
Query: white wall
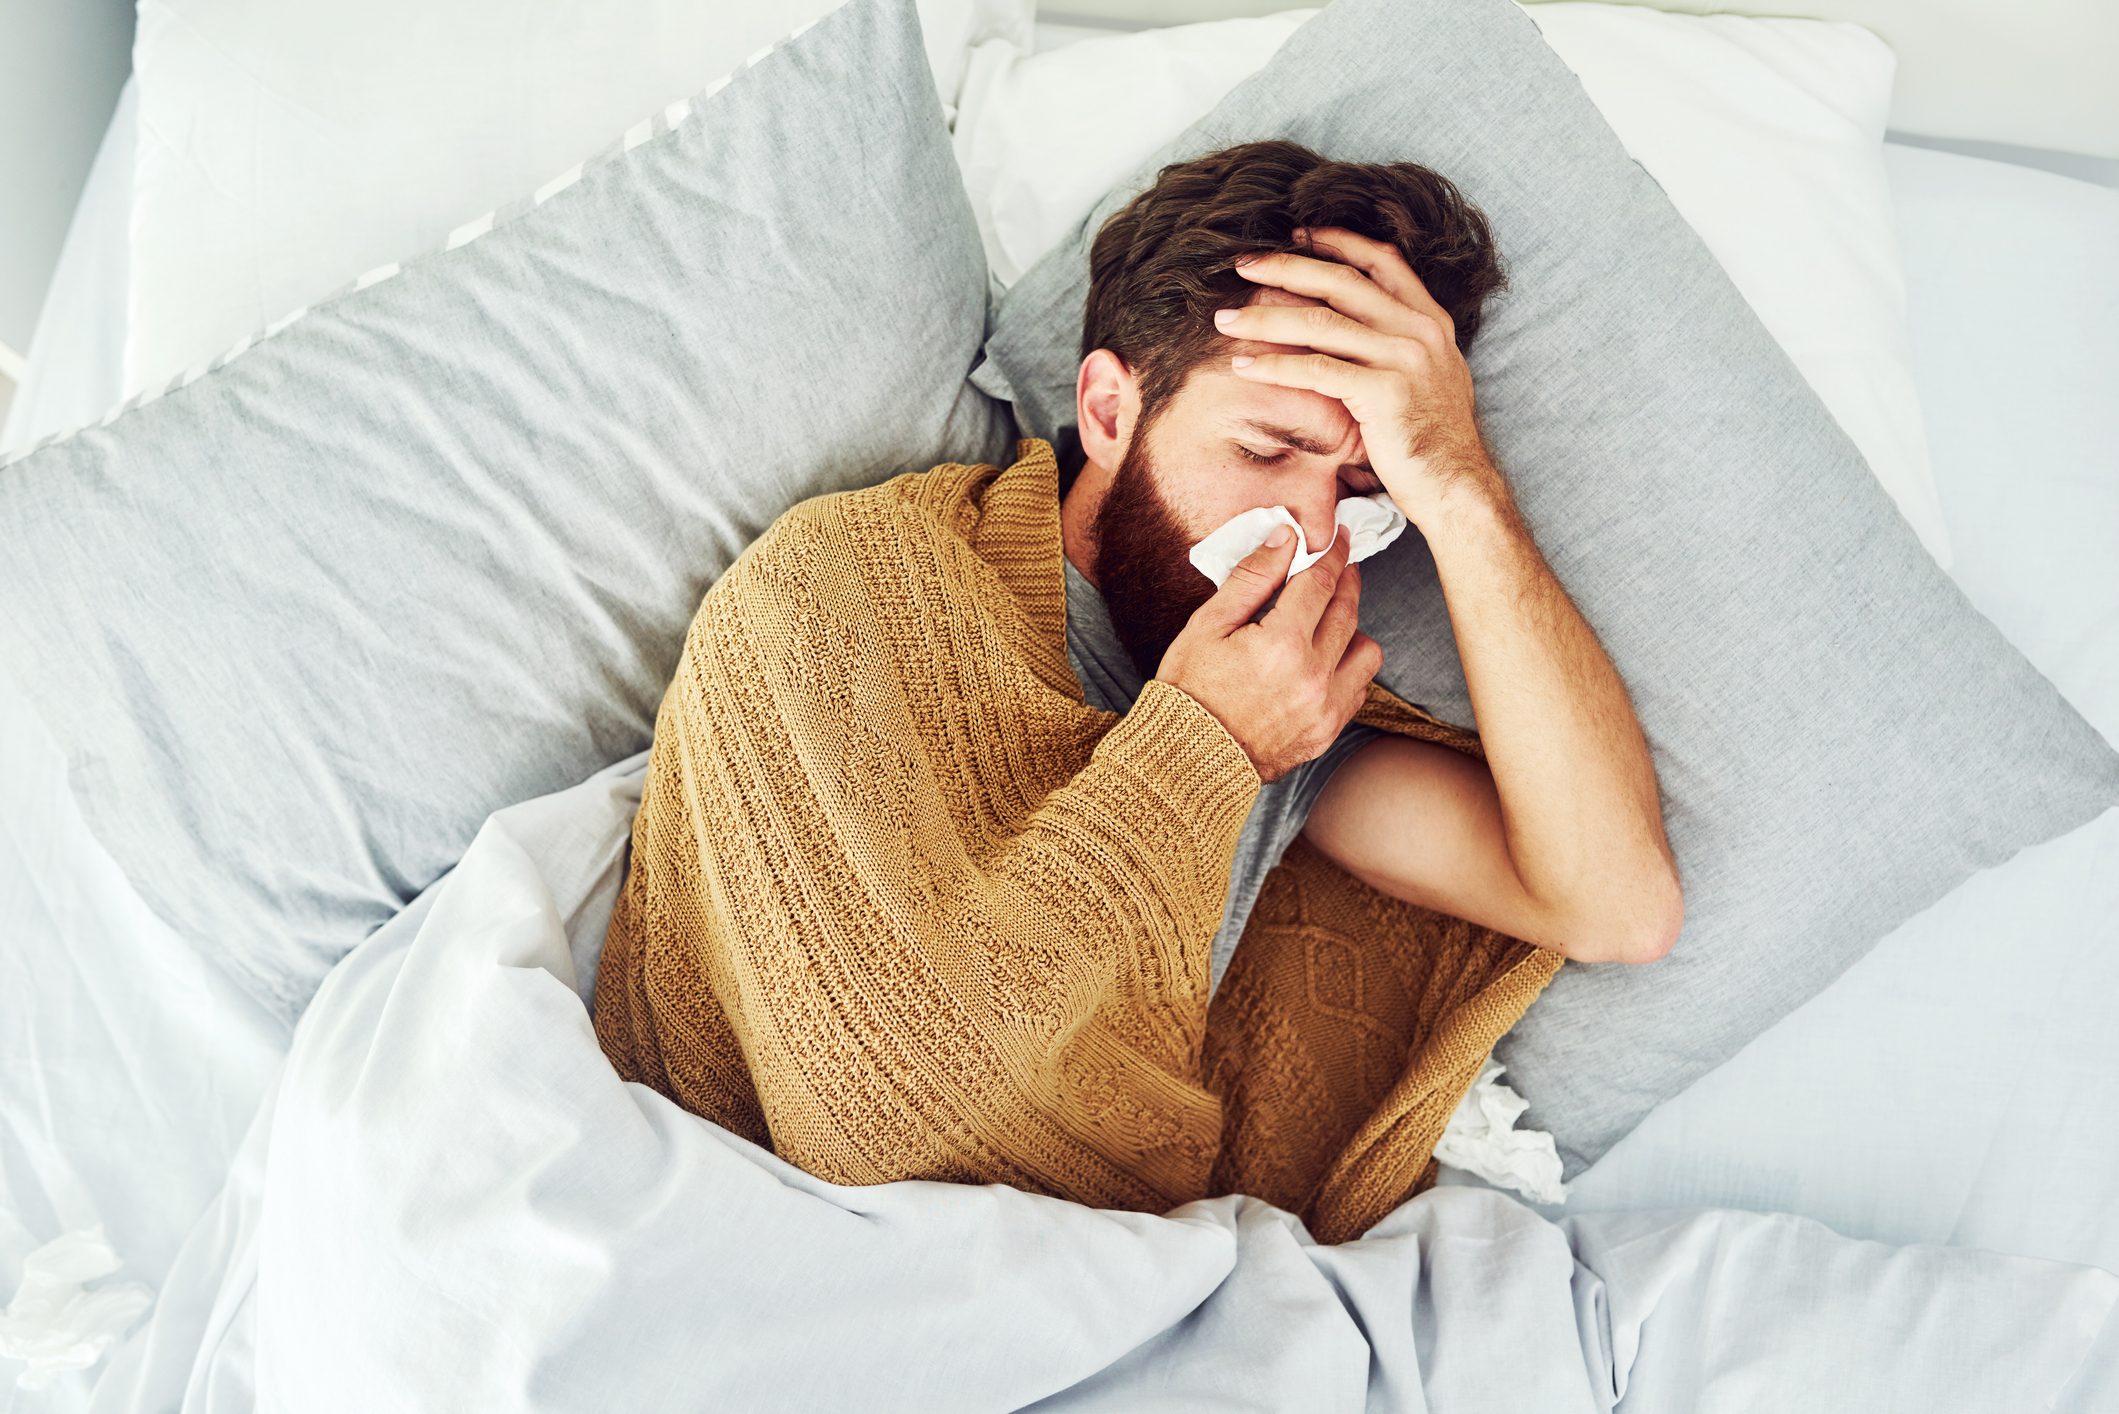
[(62, 63), (2029, 73)]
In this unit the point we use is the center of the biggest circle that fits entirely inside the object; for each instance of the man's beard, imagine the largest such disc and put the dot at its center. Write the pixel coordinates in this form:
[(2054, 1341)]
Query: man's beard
[(1149, 585)]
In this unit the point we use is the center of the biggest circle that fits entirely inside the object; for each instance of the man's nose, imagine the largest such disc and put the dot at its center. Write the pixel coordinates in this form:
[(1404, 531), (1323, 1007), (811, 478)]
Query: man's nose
[(1319, 518)]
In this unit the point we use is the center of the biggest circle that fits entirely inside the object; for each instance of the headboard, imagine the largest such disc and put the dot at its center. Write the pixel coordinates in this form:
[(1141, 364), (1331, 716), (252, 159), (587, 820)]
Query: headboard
[(2036, 73)]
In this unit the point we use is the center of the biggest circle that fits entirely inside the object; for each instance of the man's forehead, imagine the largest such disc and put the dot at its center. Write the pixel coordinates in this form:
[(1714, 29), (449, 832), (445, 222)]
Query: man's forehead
[(1243, 402)]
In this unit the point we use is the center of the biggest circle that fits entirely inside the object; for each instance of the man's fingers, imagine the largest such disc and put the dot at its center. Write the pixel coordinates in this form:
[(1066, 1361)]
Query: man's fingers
[(1338, 283), (1383, 263), (1312, 326), (1342, 615), (1360, 664), (1251, 583), (1320, 373), (1302, 602)]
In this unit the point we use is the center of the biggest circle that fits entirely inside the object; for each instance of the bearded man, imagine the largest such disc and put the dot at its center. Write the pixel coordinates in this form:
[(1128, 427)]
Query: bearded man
[(985, 839)]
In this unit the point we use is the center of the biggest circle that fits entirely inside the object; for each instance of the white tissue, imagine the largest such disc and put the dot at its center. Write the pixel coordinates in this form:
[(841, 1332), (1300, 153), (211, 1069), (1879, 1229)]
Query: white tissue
[(1372, 522), (1481, 1138), (56, 1324)]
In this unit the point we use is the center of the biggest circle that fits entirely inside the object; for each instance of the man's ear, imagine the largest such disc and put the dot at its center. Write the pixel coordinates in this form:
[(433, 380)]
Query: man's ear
[(1106, 406)]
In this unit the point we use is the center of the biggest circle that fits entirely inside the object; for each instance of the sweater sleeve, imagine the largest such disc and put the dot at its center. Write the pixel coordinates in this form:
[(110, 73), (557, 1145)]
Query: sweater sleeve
[(1053, 985), (1162, 801), (931, 962)]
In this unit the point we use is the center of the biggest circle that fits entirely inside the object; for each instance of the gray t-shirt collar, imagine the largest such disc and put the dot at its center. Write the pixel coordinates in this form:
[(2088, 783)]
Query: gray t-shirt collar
[(1109, 679)]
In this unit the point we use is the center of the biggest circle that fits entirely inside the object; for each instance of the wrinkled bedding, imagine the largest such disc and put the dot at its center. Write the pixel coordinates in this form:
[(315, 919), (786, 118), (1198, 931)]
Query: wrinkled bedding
[(449, 1200)]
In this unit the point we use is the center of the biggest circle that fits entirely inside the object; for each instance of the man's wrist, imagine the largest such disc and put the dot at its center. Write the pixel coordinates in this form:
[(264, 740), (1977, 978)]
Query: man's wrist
[(1467, 495)]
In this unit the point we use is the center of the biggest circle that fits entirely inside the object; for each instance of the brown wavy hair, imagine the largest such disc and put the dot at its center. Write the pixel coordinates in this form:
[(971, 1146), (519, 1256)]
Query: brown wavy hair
[(1164, 262)]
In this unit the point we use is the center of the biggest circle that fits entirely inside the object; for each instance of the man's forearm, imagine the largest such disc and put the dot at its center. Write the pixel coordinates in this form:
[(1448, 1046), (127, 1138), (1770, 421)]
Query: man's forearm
[(1570, 765)]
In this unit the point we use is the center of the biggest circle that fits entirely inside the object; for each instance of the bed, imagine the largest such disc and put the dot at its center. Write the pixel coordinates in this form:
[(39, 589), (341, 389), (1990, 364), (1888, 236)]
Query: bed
[(1955, 1087)]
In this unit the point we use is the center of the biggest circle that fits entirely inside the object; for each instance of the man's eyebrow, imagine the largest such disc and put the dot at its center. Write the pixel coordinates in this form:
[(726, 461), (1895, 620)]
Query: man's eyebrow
[(1297, 440)]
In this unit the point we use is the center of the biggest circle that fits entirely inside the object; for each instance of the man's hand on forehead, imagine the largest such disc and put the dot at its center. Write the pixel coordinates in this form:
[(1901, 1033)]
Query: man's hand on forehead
[(1380, 343)]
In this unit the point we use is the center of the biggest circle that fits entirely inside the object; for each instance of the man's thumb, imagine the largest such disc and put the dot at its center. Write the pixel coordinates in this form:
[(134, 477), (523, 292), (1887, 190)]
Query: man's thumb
[(1253, 581)]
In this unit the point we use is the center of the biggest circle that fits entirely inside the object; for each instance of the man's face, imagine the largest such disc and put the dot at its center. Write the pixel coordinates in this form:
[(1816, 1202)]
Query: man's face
[(1219, 447)]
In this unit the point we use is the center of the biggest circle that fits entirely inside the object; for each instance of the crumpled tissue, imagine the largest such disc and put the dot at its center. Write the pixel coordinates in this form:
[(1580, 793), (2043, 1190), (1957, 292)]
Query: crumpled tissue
[(1481, 1138), (1372, 522), (53, 1322)]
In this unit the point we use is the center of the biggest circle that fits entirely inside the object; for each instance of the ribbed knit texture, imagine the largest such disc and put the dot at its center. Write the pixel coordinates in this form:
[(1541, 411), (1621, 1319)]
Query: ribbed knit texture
[(901, 905)]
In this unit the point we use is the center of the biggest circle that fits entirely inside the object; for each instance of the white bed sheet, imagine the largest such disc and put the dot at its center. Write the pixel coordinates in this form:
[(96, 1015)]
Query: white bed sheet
[(448, 1166), (1954, 1087)]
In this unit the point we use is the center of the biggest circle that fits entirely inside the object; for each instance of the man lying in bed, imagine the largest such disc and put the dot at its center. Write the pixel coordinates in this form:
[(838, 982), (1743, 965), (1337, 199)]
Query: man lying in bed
[(965, 781)]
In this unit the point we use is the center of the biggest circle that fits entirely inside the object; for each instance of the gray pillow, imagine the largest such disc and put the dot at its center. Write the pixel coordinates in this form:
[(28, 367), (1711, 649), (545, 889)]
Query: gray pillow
[(301, 622), (1840, 737)]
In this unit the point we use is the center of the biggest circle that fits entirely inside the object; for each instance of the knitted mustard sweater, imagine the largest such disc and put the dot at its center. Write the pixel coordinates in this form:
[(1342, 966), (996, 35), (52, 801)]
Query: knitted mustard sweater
[(901, 905)]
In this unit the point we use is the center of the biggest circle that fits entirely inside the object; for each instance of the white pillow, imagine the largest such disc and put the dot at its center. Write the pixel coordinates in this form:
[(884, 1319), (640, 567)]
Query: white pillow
[(1767, 135), (285, 149)]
